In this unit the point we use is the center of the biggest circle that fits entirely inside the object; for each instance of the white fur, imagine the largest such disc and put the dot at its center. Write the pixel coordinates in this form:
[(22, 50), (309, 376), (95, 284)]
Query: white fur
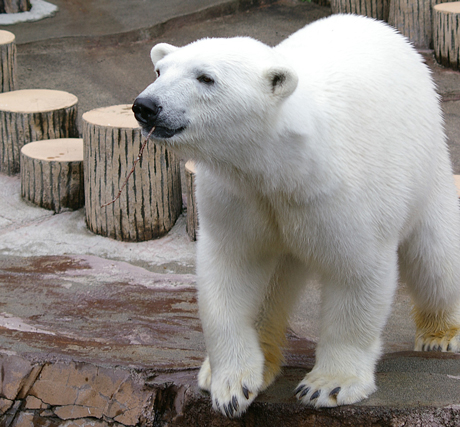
[(329, 169)]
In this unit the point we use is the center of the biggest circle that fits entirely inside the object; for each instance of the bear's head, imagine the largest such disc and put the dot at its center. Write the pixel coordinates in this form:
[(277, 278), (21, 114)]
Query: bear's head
[(214, 95)]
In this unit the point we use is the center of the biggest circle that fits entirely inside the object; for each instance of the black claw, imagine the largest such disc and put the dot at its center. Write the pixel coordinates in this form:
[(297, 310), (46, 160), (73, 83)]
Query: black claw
[(449, 347), (304, 393), (315, 395), (246, 392), (235, 403), (299, 389), (227, 411), (217, 404), (335, 392), (424, 347)]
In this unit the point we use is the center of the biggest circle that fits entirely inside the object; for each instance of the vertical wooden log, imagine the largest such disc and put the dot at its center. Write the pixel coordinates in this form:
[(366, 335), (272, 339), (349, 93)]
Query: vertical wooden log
[(192, 212), (152, 199), (33, 115), (446, 34), (8, 61), (326, 3), (414, 19), (378, 9), (52, 173), (14, 6)]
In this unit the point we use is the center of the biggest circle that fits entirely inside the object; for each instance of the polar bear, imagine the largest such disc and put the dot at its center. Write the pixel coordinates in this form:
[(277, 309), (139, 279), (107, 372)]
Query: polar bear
[(326, 156)]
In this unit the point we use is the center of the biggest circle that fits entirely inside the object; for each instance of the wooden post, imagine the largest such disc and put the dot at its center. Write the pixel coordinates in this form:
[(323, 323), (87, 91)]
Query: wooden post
[(378, 9), (446, 34), (52, 173), (8, 61), (14, 6), (33, 115), (414, 19), (152, 199), (192, 212)]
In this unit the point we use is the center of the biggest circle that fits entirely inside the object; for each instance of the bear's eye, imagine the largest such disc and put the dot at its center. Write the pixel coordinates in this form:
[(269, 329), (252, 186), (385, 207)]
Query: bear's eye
[(205, 79)]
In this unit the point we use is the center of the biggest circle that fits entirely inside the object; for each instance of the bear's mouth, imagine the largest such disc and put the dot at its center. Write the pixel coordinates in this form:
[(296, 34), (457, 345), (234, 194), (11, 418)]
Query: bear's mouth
[(162, 132)]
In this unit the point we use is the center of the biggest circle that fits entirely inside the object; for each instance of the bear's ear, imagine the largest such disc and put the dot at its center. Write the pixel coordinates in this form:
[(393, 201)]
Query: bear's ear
[(282, 81), (160, 51)]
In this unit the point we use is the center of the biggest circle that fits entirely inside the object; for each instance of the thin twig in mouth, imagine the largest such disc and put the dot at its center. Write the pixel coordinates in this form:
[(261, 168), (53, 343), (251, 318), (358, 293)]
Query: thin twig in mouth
[(132, 170)]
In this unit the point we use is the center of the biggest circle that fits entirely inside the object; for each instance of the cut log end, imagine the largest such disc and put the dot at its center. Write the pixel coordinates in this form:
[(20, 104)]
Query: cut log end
[(6, 37), (457, 184), (36, 101)]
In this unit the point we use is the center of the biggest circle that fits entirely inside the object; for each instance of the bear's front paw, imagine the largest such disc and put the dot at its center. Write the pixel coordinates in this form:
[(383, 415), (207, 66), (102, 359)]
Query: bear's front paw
[(233, 392), (329, 391)]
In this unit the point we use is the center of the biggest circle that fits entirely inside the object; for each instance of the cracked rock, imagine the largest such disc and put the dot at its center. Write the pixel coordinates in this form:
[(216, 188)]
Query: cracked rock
[(16, 376)]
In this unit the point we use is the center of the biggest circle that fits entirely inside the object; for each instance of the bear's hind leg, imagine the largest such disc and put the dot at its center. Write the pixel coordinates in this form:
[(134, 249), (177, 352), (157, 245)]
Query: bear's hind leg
[(285, 285), (355, 306), (430, 265)]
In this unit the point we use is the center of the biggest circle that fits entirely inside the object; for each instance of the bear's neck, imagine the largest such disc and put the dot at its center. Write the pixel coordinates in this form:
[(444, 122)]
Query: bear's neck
[(284, 164)]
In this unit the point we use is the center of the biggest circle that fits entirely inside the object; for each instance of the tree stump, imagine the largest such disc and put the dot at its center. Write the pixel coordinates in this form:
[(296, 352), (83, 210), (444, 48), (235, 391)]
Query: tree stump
[(414, 19), (52, 173), (152, 199), (33, 115), (192, 212), (378, 9), (446, 34), (14, 6), (8, 61)]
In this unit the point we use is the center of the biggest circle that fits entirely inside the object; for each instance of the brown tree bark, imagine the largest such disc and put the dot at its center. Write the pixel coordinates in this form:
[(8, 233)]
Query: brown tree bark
[(14, 6), (33, 115), (8, 61), (52, 173), (446, 34), (152, 199), (192, 212), (378, 9)]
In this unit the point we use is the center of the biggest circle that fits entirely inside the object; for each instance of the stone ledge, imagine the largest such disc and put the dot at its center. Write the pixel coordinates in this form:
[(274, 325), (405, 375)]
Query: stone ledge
[(413, 391)]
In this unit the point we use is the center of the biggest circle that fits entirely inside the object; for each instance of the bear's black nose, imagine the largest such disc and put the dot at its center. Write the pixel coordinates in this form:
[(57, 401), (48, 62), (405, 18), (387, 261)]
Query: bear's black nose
[(146, 111)]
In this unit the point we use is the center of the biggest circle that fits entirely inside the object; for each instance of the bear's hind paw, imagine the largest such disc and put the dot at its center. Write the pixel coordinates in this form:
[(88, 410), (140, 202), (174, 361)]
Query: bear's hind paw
[(327, 393), (448, 341), (437, 331)]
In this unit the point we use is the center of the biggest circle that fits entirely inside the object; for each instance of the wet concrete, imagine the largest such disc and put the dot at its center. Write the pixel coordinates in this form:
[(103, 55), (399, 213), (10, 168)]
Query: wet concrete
[(100, 311)]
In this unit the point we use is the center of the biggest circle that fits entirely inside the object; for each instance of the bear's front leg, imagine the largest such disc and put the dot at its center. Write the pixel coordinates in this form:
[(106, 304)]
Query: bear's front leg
[(231, 288)]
